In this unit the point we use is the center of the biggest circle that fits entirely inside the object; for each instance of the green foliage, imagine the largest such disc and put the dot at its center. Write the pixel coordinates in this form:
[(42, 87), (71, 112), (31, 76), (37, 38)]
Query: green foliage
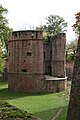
[(54, 25), (4, 29), (71, 50), (76, 26), (2, 60), (70, 57), (4, 34)]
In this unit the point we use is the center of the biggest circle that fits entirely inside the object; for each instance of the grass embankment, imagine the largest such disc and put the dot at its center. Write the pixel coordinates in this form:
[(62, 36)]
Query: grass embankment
[(9, 112), (44, 106)]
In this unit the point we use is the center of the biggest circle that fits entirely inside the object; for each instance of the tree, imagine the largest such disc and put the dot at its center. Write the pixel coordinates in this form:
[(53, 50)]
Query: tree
[(2, 60), (74, 103), (76, 26), (4, 34), (54, 25), (4, 29), (71, 50)]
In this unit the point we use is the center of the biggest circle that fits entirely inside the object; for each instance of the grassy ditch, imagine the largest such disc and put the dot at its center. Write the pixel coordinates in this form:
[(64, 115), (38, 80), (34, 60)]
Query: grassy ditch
[(44, 106)]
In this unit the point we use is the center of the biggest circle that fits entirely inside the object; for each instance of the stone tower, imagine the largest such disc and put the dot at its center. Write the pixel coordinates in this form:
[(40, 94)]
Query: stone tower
[(54, 55), (58, 55), (25, 61)]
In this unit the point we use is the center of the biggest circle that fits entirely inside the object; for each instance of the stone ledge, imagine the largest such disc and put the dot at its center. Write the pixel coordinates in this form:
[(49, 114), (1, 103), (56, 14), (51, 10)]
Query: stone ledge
[(47, 77)]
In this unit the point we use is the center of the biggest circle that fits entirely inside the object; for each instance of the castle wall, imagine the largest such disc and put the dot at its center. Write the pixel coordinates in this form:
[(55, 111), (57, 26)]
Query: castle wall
[(56, 85), (29, 59), (25, 69), (69, 69), (58, 55), (54, 60)]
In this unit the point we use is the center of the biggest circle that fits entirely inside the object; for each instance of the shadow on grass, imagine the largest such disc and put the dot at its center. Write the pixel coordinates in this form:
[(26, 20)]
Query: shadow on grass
[(5, 94), (50, 113)]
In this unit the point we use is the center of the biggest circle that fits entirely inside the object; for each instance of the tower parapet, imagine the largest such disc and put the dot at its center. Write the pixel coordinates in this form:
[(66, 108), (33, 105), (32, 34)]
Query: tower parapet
[(26, 35)]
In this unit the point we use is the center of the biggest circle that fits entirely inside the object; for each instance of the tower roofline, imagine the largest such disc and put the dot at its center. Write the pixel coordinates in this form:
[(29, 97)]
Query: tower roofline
[(27, 31)]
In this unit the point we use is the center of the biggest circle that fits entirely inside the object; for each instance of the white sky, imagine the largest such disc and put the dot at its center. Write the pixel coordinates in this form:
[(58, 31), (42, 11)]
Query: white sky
[(22, 13)]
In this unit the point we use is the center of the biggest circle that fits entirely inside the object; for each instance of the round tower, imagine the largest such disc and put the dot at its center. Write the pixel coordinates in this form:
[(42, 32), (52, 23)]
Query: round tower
[(25, 61)]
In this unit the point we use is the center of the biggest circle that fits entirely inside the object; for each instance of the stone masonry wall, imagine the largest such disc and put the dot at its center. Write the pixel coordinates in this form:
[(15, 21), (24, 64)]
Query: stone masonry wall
[(25, 58), (58, 55), (69, 69), (29, 59)]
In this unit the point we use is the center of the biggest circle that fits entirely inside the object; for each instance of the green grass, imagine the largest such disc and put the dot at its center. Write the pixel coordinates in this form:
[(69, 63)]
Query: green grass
[(3, 85), (44, 106), (9, 112)]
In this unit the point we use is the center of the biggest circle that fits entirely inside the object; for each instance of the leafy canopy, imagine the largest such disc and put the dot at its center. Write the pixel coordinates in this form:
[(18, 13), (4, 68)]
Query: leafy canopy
[(4, 29), (71, 50), (76, 26), (54, 25), (4, 34)]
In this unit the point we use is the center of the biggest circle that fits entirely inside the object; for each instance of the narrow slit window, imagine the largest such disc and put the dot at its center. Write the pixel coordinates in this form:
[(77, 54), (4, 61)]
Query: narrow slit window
[(44, 54)]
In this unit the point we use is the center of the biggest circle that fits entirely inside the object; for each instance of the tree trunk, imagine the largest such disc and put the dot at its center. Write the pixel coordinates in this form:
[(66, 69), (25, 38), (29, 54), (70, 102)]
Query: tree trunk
[(74, 103)]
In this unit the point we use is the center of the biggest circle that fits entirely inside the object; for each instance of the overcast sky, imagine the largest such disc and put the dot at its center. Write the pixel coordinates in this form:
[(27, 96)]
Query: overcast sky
[(25, 13)]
